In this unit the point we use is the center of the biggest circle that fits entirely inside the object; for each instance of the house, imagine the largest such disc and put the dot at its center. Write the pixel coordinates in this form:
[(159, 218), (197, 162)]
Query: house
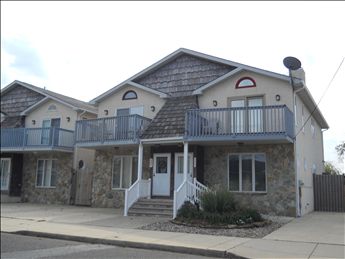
[(37, 143), (192, 121)]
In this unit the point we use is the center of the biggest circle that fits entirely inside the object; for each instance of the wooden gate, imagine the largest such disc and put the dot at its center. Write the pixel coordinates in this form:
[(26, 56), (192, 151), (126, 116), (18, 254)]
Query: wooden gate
[(329, 193), (81, 187)]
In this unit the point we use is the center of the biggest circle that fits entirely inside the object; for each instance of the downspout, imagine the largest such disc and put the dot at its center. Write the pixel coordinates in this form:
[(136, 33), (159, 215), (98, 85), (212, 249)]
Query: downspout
[(297, 184)]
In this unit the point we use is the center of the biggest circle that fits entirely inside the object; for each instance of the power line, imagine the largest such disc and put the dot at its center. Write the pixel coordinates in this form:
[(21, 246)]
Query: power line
[(324, 93)]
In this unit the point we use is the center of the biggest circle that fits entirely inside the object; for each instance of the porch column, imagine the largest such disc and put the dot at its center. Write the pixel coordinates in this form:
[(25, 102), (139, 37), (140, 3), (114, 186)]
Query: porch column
[(185, 161), (140, 161)]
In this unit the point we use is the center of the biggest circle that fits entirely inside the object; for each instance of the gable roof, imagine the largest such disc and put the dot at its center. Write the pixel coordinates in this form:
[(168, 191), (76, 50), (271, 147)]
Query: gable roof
[(170, 119), (69, 101), (138, 78)]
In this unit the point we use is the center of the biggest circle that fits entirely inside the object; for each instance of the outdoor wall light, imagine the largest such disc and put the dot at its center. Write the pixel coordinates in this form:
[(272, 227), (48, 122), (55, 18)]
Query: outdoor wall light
[(68, 119), (277, 97), (153, 108), (106, 112), (33, 122), (215, 103)]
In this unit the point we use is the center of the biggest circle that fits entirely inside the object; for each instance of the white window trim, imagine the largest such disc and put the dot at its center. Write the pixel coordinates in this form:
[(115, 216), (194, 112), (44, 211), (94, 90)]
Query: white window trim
[(121, 173), (6, 188), (312, 128), (253, 173), (44, 165), (190, 157)]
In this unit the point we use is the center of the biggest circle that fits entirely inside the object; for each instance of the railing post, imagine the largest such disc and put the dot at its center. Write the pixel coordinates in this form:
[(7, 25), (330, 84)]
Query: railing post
[(185, 161), (140, 161), (24, 138), (102, 136), (174, 206), (126, 204)]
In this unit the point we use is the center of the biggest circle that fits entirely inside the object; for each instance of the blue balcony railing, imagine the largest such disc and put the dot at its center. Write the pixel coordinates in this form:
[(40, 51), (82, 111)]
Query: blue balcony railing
[(110, 130), (18, 139), (244, 123)]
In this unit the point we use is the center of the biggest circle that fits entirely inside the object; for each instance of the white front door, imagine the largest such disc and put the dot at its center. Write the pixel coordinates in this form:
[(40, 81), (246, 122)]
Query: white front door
[(179, 169), (161, 174), (5, 171)]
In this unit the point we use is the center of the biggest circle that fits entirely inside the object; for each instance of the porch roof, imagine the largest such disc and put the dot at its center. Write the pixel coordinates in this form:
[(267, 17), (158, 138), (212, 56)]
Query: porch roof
[(170, 120)]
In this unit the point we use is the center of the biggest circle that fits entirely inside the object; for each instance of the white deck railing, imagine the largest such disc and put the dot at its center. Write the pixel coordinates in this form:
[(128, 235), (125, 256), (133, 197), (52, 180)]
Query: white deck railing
[(190, 191), (139, 189)]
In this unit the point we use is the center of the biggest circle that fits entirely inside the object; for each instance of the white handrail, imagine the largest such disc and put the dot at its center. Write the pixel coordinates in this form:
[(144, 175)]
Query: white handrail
[(139, 189), (180, 196)]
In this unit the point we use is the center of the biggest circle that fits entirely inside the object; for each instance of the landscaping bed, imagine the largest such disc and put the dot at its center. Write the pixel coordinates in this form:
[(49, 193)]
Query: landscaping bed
[(218, 213), (252, 232)]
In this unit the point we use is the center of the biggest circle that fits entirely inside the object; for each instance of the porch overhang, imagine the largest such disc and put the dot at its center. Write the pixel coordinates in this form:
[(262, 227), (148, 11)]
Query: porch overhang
[(168, 140), (106, 144), (255, 138), (35, 149)]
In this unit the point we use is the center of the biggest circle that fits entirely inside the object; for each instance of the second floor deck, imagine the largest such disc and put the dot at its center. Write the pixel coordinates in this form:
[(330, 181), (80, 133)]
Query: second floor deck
[(119, 130), (261, 123), (36, 139)]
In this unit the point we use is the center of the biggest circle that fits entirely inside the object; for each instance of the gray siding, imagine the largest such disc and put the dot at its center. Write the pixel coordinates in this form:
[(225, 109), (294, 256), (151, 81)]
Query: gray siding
[(19, 99), (180, 77), (170, 120)]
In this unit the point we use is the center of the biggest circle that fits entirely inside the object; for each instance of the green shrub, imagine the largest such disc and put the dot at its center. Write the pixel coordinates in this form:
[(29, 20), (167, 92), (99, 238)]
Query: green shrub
[(188, 211), (218, 200)]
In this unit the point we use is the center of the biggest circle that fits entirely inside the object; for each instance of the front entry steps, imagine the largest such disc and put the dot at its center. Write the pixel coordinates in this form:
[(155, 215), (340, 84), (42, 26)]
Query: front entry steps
[(152, 207)]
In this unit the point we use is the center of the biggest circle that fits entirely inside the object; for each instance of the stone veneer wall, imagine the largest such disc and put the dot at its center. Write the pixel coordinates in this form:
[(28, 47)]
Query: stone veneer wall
[(102, 193), (54, 195), (280, 197)]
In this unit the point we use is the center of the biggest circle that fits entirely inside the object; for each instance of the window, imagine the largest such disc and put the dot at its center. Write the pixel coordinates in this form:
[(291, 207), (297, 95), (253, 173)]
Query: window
[(305, 165), (46, 173), (5, 173), (312, 128), (124, 171), (247, 172), (52, 107), (245, 82), (129, 95)]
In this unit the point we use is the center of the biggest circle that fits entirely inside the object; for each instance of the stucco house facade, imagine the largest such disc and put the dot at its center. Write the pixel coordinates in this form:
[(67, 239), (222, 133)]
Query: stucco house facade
[(192, 121)]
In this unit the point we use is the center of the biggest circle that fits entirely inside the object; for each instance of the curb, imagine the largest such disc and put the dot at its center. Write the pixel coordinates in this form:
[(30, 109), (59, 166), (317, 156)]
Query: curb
[(132, 244)]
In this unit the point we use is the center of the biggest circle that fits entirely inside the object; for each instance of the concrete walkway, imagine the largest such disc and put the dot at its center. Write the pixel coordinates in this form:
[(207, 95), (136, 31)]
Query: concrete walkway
[(297, 239)]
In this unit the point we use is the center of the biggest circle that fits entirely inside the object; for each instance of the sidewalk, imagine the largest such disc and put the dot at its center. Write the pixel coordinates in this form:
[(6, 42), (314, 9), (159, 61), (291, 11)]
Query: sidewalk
[(56, 222)]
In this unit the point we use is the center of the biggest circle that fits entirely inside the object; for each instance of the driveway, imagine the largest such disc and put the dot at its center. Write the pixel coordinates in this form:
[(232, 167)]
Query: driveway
[(316, 227), (78, 215)]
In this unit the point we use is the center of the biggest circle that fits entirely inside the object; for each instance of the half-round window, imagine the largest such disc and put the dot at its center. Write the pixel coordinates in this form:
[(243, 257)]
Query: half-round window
[(245, 82), (52, 107), (129, 95)]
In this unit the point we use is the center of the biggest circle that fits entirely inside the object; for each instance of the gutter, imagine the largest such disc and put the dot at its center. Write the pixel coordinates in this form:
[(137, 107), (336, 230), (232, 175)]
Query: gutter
[(162, 140)]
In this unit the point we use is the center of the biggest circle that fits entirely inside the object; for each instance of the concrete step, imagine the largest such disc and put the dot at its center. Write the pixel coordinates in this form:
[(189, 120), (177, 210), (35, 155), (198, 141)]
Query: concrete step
[(152, 207), (142, 212), (139, 206)]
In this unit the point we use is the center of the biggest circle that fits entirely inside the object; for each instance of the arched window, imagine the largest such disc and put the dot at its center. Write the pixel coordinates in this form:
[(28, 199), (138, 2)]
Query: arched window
[(245, 82), (52, 107), (129, 95)]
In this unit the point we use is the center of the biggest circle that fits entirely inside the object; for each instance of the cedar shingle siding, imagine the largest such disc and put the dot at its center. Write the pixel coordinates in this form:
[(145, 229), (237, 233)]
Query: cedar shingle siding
[(19, 99), (170, 120), (180, 77)]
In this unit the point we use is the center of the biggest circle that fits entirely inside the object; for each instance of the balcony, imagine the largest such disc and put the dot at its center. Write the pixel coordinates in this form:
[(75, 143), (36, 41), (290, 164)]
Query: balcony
[(261, 123), (36, 139), (120, 130)]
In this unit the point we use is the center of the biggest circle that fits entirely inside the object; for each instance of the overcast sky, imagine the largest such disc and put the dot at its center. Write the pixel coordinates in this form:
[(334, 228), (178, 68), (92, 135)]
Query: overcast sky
[(82, 49)]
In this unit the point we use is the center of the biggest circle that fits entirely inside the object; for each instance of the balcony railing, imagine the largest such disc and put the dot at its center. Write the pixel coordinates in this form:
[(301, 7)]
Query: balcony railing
[(244, 123), (21, 139), (112, 130)]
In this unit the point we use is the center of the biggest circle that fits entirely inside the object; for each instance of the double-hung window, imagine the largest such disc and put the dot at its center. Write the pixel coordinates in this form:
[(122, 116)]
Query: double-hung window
[(46, 173), (247, 172), (124, 171)]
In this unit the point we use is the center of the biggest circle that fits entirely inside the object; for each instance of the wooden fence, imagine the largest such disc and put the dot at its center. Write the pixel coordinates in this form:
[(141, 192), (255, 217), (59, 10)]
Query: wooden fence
[(329, 193)]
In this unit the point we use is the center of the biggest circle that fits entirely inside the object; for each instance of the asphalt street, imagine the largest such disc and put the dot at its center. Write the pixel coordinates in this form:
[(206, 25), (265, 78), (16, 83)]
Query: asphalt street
[(17, 246)]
